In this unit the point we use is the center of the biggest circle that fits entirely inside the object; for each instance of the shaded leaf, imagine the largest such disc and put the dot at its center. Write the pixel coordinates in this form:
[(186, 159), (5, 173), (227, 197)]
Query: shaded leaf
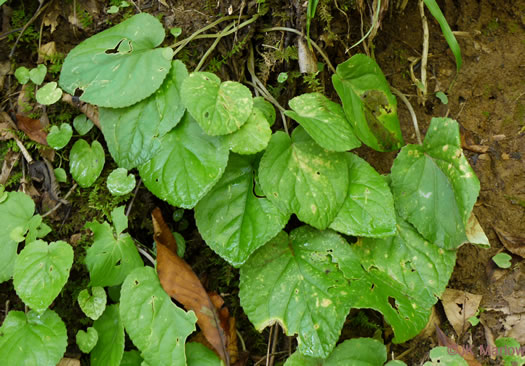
[(180, 282), (110, 346), (86, 341), (200, 355), (94, 304), (82, 124), (86, 162)]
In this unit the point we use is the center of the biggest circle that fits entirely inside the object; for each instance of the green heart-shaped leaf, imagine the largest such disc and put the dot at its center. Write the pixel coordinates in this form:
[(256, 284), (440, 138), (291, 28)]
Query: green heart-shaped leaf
[(434, 186), (296, 281), (232, 220), (41, 270), (94, 304), (324, 121), (133, 133), (38, 74), (502, 260), (49, 94), (120, 183), (119, 66), (32, 338), (187, 165), (22, 74), (86, 162), (299, 176), (219, 108), (86, 341), (82, 124), (58, 137), (368, 103)]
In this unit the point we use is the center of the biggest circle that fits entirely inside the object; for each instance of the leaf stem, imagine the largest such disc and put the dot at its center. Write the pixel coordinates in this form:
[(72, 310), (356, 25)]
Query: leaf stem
[(412, 113), (212, 47)]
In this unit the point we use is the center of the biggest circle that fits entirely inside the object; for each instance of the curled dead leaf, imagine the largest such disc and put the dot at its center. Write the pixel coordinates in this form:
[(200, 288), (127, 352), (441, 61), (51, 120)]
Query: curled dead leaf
[(181, 283), (459, 307), (33, 128)]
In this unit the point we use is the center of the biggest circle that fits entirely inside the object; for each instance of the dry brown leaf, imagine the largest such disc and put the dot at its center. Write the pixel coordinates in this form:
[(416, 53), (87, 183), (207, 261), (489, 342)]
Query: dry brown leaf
[(181, 283), (51, 16), (10, 160), (33, 129), (45, 51), (513, 243), (89, 110), (467, 354), (306, 58), (69, 362), (475, 233), (459, 306)]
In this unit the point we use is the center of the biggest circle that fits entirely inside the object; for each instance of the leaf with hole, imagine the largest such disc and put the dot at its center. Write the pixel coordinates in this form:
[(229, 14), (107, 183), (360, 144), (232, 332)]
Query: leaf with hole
[(187, 165), (434, 186), (110, 259), (401, 276), (232, 220), (295, 280), (157, 326), (86, 341), (32, 338), (49, 94), (41, 270), (120, 66), (133, 133), (86, 162), (15, 212), (58, 137), (120, 182), (299, 176), (92, 304), (82, 124), (324, 121), (110, 346), (219, 108), (368, 103), (368, 209)]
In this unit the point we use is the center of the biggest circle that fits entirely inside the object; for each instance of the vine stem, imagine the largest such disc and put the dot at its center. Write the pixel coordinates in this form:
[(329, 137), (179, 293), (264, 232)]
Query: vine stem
[(212, 47), (412, 113), (196, 35), (316, 46)]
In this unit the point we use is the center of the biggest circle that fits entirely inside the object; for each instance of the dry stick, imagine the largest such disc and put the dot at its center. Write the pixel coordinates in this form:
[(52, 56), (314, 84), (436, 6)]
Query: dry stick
[(134, 195), (36, 15), (274, 344), (61, 201), (272, 329), (146, 254), (424, 57), (316, 46), (412, 113)]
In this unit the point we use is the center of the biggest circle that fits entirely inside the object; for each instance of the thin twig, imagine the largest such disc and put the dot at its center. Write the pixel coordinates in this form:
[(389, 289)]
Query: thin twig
[(213, 45), (412, 113), (424, 58), (61, 202), (134, 195), (146, 254), (316, 46), (37, 13), (274, 344), (272, 329)]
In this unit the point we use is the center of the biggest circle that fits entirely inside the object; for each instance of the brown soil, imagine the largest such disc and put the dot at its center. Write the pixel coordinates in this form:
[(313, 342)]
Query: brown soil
[(487, 98)]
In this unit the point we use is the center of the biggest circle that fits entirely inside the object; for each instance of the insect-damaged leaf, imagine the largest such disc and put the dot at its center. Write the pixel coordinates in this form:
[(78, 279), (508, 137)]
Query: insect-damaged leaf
[(299, 176), (295, 280), (119, 66), (434, 186), (180, 282), (368, 103)]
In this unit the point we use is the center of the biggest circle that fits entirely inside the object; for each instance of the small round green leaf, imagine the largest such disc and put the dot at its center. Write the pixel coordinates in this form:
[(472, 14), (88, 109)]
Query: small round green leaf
[(296, 280), (299, 176), (82, 124), (58, 137), (120, 183), (324, 121), (32, 338), (156, 325), (41, 270), (22, 74), (86, 162), (110, 346), (502, 260), (253, 136), (119, 66), (86, 341), (445, 356), (113, 9), (176, 31), (219, 108), (187, 165), (49, 94), (94, 304), (232, 220), (60, 175), (282, 77), (38, 74)]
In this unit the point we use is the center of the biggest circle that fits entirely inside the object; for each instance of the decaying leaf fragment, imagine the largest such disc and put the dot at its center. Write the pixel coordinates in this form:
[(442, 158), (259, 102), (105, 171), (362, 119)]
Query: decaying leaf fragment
[(459, 307), (181, 283)]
